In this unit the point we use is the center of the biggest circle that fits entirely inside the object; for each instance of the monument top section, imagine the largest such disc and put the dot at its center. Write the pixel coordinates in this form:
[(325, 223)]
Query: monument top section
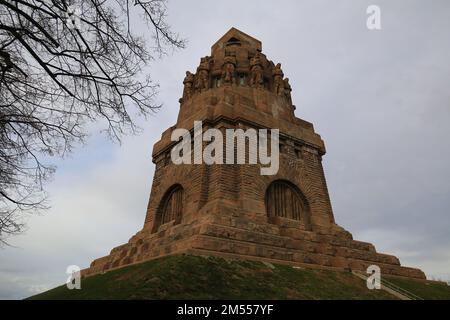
[(237, 82), (237, 61), (235, 36)]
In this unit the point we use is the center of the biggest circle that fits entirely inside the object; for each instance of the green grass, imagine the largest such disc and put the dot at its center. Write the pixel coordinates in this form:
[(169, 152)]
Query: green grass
[(193, 277), (428, 290)]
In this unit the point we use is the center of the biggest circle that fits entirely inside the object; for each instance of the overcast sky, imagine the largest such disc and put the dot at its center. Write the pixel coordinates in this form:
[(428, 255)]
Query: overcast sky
[(379, 99)]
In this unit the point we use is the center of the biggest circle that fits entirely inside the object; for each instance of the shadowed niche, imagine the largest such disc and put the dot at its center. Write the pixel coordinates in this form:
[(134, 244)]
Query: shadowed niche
[(285, 200), (170, 208), (233, 41)]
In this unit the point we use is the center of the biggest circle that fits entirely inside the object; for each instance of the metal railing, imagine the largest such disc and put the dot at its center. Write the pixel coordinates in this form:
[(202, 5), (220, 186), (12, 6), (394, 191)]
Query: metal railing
[(390, 286), (402, 291)]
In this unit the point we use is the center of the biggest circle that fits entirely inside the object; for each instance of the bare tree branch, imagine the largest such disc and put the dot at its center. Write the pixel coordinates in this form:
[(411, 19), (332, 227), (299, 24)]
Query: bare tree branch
[(63, 65)]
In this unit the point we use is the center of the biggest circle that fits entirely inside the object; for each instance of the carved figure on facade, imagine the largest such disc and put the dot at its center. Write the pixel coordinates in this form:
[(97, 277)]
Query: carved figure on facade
[(188, 83), (278, 83), (202, 82), (256, 72), (228, 70), (287, 90)]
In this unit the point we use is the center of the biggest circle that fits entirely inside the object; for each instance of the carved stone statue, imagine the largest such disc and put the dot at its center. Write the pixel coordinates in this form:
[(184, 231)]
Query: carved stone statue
[(256, 72), (287, 90), (188, 85), (229, 66), (202, 82), (278, 83)]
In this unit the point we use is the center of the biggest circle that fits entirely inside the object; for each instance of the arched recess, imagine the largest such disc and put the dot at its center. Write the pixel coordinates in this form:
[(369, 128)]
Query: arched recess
[(283, 199), (171, 207), (233, 41)]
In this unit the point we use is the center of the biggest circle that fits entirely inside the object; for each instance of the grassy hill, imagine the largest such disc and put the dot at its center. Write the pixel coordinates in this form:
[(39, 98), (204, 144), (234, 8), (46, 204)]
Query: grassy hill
[(193, 277)]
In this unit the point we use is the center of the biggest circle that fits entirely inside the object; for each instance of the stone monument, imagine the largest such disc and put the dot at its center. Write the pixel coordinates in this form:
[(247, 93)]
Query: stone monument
[(231, 210)]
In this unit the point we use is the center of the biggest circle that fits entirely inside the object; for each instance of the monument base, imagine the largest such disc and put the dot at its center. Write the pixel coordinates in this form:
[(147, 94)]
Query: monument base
[(254, 238)]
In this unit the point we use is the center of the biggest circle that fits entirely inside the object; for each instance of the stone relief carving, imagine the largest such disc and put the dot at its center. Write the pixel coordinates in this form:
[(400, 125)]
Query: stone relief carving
[(287, 90), (228, 70), (228, 75), (278, 82), (256, 72), (202, 82), (188, 83)]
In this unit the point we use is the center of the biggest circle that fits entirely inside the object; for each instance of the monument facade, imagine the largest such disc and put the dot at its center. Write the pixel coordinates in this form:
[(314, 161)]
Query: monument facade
[(232, 210)]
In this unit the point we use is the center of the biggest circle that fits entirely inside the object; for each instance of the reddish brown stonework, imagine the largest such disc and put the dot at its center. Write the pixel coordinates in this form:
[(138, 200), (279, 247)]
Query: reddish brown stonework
[(232, 210)]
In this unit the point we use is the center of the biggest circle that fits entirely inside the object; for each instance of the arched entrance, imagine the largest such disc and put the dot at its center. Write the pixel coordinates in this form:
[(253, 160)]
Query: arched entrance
[(170, 208), (285, 200)]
